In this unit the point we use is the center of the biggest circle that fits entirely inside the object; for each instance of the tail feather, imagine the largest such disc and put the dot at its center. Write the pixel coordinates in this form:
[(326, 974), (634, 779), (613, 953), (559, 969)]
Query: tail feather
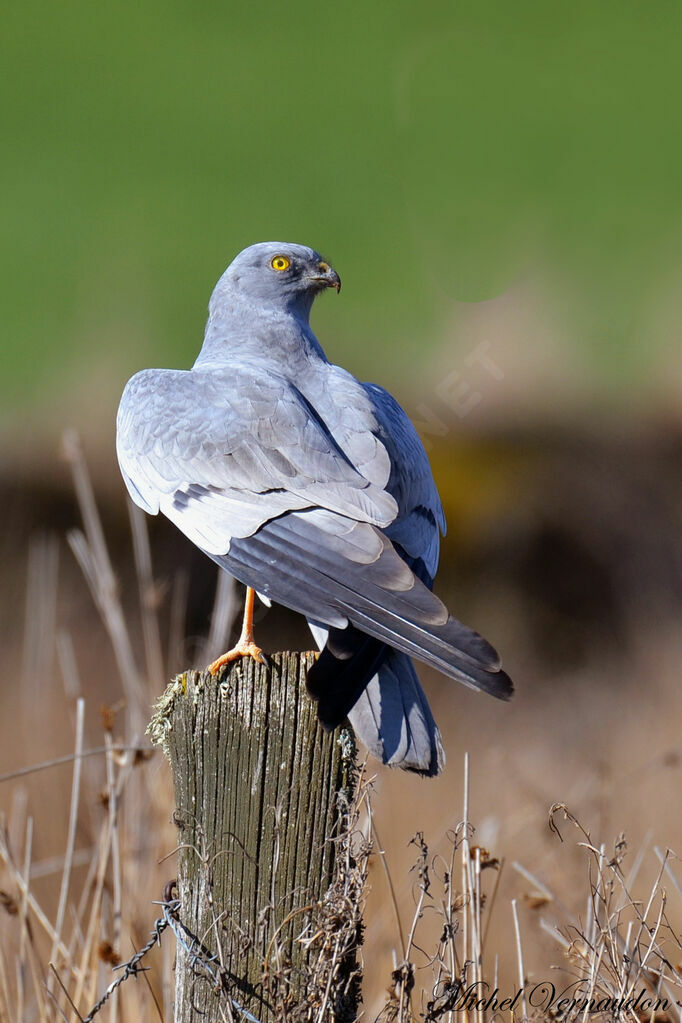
[(390, 713), (393, 719)]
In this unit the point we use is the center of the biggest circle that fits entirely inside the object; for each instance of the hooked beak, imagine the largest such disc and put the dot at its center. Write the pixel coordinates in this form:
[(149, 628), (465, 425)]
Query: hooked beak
[(327, 277)]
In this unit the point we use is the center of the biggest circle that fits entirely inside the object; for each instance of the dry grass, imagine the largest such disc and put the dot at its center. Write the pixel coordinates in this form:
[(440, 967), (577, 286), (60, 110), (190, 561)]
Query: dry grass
[(621, 961), (54, 965)]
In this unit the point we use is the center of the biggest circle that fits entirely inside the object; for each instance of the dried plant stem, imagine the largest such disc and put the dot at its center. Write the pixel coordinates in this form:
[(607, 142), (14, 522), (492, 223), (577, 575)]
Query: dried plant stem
[(84, 967), (379, 849), (519, 958), (91, 552), (115, 864), (73, 823), (23, 917), (225, 608), (177, 614), (41, 610), (69, 757), (490, 906), (4, 992), (149, 597), (466, 857), (31, 903)]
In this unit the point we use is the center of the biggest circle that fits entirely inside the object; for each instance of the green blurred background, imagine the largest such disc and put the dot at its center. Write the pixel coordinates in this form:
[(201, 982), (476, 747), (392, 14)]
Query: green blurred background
[(440, 154)]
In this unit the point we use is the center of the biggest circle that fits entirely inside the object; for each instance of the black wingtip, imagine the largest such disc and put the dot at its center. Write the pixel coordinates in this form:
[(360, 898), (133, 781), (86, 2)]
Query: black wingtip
[(500, 685)]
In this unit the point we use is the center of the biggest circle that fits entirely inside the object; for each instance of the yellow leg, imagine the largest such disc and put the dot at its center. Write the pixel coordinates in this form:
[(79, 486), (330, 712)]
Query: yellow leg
[(245, 646)]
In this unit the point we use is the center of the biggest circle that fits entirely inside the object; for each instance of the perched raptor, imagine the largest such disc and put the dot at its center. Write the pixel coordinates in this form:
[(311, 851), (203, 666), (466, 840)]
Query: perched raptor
[(313, 490)]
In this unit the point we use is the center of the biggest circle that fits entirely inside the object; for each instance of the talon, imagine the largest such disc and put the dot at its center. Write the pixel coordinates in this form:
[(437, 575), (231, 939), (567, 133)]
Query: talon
[(248, 649), (245, 646)]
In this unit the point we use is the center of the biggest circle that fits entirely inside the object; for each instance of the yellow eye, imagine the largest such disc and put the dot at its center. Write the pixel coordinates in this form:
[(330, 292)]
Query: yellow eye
[(280, 263)]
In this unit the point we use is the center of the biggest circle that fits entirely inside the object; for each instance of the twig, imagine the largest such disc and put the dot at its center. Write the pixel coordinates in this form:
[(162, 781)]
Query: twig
[(23, 917), (115, 862), (4, 988), (57, 1006), (41, 611), (466, 858), (69, 757), (90, 550), (152, 993), (24, 891), (73, 821), (149, 595), (519, 959), (176, 626), (225, 608), (66, 993), (389, 882)]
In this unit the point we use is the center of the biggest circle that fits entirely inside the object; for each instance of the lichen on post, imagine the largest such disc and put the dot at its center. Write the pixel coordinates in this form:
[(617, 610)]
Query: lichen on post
[(271, 872)]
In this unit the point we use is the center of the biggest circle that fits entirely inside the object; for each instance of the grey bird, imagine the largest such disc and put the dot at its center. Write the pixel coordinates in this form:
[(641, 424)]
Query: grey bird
[(312, 489)]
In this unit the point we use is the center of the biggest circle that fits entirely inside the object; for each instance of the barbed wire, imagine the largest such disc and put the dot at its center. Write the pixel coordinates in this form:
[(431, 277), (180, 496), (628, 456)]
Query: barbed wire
[(132, 967), (201, 959)]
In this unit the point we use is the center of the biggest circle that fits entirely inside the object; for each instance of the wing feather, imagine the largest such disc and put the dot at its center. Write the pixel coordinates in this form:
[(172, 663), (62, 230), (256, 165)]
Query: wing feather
[(296, 564)]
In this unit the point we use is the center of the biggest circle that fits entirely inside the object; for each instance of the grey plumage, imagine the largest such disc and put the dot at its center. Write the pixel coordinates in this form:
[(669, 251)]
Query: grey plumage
[(312, 488)]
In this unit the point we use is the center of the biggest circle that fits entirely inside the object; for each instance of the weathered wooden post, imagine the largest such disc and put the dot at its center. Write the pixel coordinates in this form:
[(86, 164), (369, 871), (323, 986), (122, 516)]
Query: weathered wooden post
[(270, 892)]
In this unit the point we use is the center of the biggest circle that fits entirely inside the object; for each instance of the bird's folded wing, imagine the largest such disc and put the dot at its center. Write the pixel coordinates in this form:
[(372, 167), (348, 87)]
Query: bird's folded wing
[(416, 529), (312, 562), (221, 453)]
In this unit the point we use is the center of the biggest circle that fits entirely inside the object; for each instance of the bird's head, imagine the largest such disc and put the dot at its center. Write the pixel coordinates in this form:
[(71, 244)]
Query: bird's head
[(278, 274)]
